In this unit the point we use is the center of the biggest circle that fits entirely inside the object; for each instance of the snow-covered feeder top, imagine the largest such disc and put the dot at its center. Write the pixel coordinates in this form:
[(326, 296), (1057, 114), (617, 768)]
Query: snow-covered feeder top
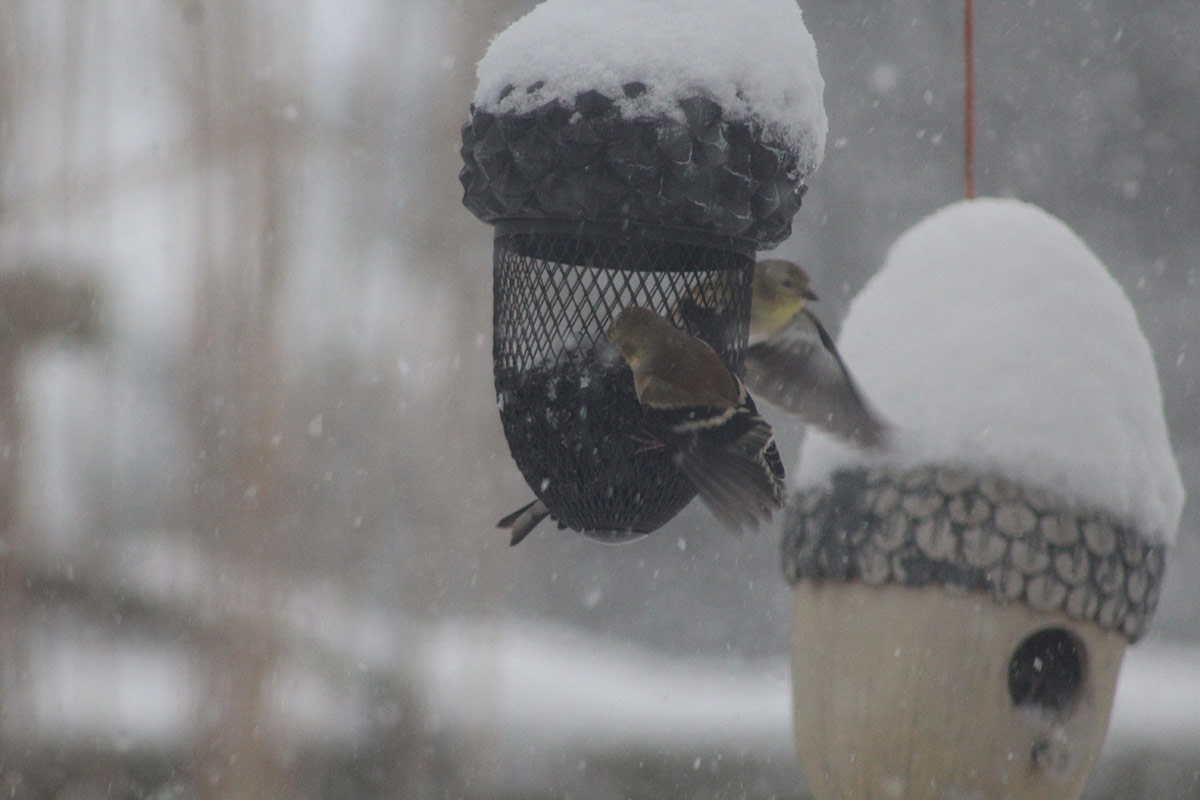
[(755, 58), (1029, 458), (998, 343), (702, 115)]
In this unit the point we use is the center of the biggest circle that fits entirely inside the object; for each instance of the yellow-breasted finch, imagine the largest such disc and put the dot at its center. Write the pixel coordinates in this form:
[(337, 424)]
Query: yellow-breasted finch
[(792, 362), (697, 408)]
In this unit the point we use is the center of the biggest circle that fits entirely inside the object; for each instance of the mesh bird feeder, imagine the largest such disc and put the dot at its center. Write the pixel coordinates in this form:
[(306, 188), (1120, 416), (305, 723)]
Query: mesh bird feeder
[(596, 209)]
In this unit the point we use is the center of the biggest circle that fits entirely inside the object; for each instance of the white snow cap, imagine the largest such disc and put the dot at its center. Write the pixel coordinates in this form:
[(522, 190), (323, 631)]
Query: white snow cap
[(995, 340), (753, 57)]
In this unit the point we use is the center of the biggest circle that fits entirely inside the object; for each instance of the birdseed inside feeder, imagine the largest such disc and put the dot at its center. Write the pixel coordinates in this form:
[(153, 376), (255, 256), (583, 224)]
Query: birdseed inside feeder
[(620, 183)]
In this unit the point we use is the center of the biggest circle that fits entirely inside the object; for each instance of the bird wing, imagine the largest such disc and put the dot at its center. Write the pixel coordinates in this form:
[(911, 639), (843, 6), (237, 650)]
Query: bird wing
[(656, 391), (799, 370), (687, 374), (730, 456)]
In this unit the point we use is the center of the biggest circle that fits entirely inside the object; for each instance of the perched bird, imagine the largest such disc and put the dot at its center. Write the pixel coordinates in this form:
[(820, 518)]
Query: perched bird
[(792, 362), (522, 521), (697, 408)]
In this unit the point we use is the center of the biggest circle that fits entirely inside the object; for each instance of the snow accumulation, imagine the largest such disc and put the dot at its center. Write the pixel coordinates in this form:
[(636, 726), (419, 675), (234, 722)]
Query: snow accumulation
[(753, 57), (995, 340)]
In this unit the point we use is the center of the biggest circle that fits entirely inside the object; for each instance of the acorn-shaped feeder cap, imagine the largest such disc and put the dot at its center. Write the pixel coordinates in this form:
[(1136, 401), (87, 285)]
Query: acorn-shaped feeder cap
[(998, 344), (703, 116)]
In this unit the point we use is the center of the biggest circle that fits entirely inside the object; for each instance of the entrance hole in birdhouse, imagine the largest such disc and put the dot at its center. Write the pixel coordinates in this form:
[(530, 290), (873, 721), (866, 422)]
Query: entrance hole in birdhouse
[(1046, 671)]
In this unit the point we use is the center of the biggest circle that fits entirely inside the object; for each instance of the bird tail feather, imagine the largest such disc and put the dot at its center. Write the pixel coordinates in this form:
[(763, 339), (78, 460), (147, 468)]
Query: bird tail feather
[(741, 481)]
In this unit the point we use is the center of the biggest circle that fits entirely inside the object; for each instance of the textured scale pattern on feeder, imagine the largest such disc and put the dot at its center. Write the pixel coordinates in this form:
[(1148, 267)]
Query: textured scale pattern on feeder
[(940, 526), (586, 161), (574, 426)]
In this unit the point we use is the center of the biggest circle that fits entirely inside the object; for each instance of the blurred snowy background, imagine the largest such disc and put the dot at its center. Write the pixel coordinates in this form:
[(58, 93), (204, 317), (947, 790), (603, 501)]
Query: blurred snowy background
[(250, 464)]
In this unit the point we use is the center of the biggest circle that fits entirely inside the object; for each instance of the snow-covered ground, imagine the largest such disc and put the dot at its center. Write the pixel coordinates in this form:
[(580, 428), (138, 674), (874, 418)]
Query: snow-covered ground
[(537, 695), (534, 696)]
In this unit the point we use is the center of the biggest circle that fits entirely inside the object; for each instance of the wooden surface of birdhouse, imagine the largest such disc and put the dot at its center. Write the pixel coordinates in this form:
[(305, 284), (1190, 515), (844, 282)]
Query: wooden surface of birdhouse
[(928, 694), (957, 637)]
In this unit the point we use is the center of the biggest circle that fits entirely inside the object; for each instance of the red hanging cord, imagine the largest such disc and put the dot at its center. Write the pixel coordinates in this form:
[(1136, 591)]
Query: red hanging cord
[(969, 98)]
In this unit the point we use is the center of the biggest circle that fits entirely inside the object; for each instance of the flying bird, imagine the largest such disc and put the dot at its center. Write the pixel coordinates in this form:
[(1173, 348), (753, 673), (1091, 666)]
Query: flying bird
[(697, 408), (792, 362)]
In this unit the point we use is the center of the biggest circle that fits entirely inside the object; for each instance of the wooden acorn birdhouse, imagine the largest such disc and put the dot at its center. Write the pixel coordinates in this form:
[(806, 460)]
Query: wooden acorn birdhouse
[(963, 602), (615, 176)]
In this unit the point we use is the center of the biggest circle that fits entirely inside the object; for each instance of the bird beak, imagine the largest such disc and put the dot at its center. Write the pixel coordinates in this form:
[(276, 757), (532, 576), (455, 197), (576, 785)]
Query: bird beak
[(808, 294)]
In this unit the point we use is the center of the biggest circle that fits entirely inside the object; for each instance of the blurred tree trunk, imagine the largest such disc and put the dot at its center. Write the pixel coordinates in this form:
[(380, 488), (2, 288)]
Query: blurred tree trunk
[(243, 242), (11, 342), (36, 305)]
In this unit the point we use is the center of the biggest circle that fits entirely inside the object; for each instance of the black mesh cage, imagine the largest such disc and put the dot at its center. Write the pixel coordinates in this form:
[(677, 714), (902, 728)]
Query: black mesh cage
[(566, 399)]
